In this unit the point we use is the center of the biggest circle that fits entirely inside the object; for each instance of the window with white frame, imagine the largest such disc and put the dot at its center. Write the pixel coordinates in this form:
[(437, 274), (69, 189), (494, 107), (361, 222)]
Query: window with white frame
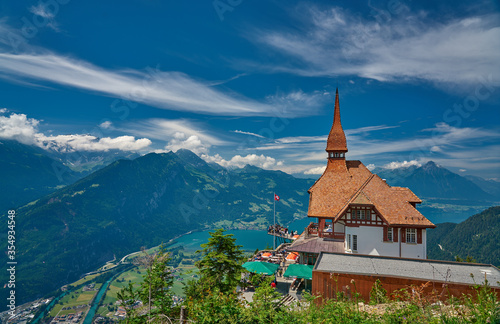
[(361, 214), (348, 242), (389, 234), (354, 242), (411, 235)]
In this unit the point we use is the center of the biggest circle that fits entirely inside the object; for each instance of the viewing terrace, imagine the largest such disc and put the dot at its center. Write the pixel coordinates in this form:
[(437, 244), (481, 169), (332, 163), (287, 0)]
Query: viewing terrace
[(282, 232)]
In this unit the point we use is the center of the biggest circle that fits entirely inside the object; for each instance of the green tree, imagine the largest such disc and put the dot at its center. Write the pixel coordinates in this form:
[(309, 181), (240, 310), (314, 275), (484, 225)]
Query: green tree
[(154, 290), (213, 297), (127, 297), (220, 266)]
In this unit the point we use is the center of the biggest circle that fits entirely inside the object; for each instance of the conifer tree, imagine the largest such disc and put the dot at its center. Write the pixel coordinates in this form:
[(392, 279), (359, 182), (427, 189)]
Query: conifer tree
[(221, 264)]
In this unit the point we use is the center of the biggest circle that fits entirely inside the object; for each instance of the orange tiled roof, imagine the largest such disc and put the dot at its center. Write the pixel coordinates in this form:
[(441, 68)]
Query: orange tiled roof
[(349, 182), (336, 139), (345, 183)]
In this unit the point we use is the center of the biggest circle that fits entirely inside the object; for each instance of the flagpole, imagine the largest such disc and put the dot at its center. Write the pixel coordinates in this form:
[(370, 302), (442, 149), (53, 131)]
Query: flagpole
[(274, 209)]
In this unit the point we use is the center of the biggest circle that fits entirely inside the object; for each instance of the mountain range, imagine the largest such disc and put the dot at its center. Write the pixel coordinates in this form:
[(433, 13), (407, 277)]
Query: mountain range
[(141, 202), (30, 172), (478, 238), (446, 196), (72, 220), (433, 181)]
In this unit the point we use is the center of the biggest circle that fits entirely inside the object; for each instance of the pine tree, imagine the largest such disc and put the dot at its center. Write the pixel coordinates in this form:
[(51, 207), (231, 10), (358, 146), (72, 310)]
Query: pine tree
[(221, 264)]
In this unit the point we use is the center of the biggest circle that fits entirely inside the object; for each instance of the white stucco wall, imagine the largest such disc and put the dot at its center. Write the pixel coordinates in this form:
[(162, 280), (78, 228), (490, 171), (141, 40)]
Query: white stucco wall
[(370, 241), (338, 227)]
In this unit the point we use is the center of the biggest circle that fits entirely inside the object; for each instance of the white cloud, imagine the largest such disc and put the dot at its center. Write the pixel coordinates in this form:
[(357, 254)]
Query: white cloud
[(302, 139), (192, 143), (167, 90), (399, 165), (435, 148), (238, 161), (407, 47), (41, 11), (106, 125), (371, 167), (248, 133), (19, 127), (316, 170), (294, 103), (165, 129), (368, 129), (462, 170), (72, 143), (25, 130), (316, 142), (3, 110)]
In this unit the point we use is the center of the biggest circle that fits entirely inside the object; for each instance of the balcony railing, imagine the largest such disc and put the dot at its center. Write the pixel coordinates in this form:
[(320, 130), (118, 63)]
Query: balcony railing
[(313, 229), (334, 235)]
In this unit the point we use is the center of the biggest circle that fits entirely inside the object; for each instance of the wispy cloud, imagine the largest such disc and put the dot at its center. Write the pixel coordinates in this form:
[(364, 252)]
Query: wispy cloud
[(466, 147), (410, 46), (166, 130), (167, 90), (172, 90), (317, 142), (248, 133), (368, 129)]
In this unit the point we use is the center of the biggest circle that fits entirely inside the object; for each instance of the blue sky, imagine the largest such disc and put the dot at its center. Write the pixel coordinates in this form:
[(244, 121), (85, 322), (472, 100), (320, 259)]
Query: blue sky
[(254, 81)]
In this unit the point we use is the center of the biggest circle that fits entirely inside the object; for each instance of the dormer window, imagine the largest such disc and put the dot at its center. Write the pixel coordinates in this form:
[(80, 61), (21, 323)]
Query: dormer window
[(361, 214)]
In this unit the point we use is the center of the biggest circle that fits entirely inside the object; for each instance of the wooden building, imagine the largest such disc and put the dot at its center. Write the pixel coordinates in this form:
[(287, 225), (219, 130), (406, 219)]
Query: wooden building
[(357, 212), (343, 273)]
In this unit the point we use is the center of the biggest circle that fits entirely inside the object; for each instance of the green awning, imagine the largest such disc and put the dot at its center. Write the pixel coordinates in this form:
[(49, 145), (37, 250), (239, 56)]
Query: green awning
[(299, 271), (261, 267)]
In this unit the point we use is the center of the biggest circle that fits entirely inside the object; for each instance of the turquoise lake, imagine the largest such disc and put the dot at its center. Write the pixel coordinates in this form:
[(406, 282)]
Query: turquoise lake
[(249, 239)]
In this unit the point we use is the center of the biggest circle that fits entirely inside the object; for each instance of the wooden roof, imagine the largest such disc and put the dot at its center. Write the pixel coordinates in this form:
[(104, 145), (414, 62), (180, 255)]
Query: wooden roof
[(346, 183), (422, 269), (336, 139)]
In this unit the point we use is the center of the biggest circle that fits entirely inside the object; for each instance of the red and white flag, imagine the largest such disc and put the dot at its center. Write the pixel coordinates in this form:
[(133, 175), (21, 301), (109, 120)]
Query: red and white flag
[(276, 197)]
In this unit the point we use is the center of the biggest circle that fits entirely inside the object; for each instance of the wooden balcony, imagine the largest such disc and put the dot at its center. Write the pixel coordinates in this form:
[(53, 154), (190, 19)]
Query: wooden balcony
[(334, 235), (313, 229)]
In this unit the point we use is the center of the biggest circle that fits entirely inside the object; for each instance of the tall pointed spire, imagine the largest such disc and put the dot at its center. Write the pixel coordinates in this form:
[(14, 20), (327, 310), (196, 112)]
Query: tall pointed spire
[(336, 139)]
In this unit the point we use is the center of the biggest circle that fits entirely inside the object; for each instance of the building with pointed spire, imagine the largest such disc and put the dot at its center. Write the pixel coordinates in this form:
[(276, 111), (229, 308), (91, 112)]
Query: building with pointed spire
[(358, 212)]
